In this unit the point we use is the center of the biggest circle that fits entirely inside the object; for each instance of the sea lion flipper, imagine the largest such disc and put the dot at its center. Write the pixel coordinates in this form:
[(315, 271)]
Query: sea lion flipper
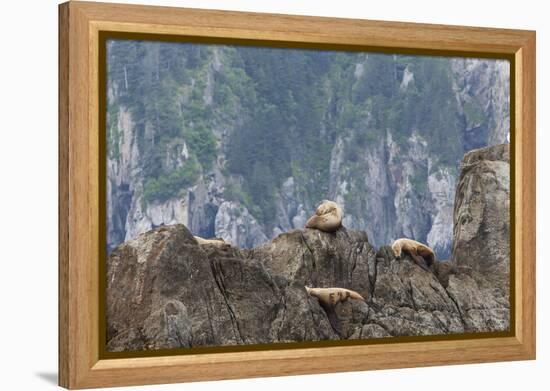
[(333, 320), (419, 260)]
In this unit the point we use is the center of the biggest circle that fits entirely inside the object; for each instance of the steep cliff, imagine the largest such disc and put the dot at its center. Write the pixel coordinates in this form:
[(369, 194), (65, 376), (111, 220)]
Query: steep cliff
[(164, 290), (228, 142)]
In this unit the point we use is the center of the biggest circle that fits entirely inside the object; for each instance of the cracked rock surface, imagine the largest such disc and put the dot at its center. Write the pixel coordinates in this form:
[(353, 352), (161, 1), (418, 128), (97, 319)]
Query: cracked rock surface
[(164, 290)]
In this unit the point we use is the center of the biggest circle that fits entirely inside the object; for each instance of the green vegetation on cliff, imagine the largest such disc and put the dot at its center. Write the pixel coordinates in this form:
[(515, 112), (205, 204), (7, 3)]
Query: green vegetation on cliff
[(272, 113)]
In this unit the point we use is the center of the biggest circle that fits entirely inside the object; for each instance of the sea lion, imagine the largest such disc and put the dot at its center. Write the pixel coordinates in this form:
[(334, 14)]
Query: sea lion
[(419, 252), (327, 217), (217, 242), (328, 298), (331, 296)]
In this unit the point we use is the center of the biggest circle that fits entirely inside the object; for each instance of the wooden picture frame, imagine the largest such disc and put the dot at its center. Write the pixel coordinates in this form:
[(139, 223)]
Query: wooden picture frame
[(81, 364)]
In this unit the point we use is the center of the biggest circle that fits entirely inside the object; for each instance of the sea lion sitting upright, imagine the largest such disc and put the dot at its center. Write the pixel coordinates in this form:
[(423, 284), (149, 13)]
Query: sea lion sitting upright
[(327, 217), (419, 252)]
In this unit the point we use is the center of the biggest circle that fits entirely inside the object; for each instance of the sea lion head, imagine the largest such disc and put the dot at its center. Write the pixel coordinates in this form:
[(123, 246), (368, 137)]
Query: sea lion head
[(396, 248), (326, 207)]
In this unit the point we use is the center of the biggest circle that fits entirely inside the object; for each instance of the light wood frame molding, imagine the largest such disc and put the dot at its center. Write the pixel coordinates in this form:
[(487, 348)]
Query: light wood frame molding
[(80, 364)]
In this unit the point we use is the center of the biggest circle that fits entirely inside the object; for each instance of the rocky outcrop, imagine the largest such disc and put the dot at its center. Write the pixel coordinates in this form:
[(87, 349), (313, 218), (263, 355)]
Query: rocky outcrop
[(482, 211), (164, 290), (481, 249)]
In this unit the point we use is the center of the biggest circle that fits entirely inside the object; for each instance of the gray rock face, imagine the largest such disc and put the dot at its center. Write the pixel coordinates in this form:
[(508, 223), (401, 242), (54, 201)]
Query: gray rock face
[(237, 226), (400, 194), (166, 291), (483, 95)]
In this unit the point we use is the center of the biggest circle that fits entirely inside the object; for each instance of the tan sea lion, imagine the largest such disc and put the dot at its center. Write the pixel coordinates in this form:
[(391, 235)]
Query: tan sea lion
[(327, 218), (218, 242), (419, 252), (331, 296)]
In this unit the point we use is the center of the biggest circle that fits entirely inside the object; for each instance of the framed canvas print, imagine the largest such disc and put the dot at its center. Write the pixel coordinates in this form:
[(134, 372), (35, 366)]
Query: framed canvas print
[(247, 195)]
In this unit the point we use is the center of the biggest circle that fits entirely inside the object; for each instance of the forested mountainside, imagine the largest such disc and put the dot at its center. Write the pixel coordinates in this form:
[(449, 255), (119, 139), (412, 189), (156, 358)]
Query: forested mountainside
[(242, 142)]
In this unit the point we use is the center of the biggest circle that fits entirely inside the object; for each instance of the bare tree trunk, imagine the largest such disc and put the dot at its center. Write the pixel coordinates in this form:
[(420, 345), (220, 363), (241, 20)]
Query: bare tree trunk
[(125, 78)]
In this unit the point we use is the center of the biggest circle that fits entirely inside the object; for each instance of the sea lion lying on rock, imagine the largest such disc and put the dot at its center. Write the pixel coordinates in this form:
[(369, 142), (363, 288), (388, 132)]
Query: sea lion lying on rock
[(332, 296), (419, 252), (327, 218), (217, 242), (329, 297)]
